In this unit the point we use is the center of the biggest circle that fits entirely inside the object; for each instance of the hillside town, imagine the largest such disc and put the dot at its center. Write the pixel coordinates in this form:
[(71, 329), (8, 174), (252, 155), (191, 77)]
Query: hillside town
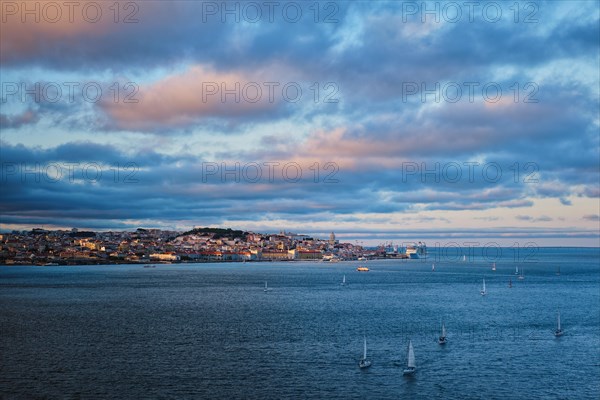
[(75, 247)]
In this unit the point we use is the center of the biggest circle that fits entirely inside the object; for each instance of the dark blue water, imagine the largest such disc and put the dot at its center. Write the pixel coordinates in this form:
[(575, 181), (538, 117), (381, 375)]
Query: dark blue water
[(210, 331)]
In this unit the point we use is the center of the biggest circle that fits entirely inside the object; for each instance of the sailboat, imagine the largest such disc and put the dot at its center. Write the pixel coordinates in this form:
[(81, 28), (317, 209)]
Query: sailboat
[(509, 282), (411, 367), (343, 281), (442, 338), (558, 332), (464, 258), (517, 270), (432, 267), (483, 291), (493, 266), (521, 275), (364, 363), (266, 287), (558, 270)]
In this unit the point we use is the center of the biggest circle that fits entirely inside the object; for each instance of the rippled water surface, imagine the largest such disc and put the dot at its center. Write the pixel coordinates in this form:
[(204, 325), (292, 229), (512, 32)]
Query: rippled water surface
[(210, 330)]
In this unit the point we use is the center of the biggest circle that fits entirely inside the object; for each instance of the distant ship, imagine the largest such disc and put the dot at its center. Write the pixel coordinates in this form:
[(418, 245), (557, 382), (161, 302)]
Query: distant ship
[(416, 250)]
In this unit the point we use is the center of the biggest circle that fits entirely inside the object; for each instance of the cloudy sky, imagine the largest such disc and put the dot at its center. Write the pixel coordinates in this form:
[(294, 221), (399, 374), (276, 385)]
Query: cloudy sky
[(381, 121)]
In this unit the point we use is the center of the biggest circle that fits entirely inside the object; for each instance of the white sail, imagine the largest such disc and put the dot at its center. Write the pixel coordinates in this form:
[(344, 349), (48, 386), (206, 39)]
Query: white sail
[(443, 330), (411, 356), (483, 291), (364, 363), (493, 266), (266, 287), (344, 280), (558, 323)]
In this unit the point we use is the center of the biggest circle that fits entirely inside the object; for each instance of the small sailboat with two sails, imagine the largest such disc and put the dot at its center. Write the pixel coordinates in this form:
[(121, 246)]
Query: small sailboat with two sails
[(558, 331), (411, 366), (364, 363), (442, 338)]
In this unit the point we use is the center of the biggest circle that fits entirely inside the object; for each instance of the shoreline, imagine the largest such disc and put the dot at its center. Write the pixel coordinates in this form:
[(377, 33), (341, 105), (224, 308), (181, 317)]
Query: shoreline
[(144, 263)]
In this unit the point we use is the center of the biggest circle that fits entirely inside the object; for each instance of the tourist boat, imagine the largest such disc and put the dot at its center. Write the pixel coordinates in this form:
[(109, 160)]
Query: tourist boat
[(416, 250), (364, 363), (411, 367), (362, 269), (442, 338), (558, 332)]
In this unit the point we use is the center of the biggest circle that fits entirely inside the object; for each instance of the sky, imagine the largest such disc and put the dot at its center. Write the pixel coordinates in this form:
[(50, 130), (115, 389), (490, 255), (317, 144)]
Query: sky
[(381, 121)]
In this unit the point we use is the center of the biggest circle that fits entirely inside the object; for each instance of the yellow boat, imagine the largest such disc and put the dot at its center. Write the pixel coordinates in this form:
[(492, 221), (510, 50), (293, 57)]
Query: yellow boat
[(361, 269)]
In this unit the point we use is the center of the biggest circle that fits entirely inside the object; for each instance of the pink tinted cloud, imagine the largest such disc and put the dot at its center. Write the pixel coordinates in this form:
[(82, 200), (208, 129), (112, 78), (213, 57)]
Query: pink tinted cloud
[(30, 30), (442, 130), (31, 27), (198, 93)]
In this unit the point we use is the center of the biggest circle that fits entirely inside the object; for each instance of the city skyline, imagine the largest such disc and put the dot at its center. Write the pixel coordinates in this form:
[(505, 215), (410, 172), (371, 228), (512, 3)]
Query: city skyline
[(380, 121)]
